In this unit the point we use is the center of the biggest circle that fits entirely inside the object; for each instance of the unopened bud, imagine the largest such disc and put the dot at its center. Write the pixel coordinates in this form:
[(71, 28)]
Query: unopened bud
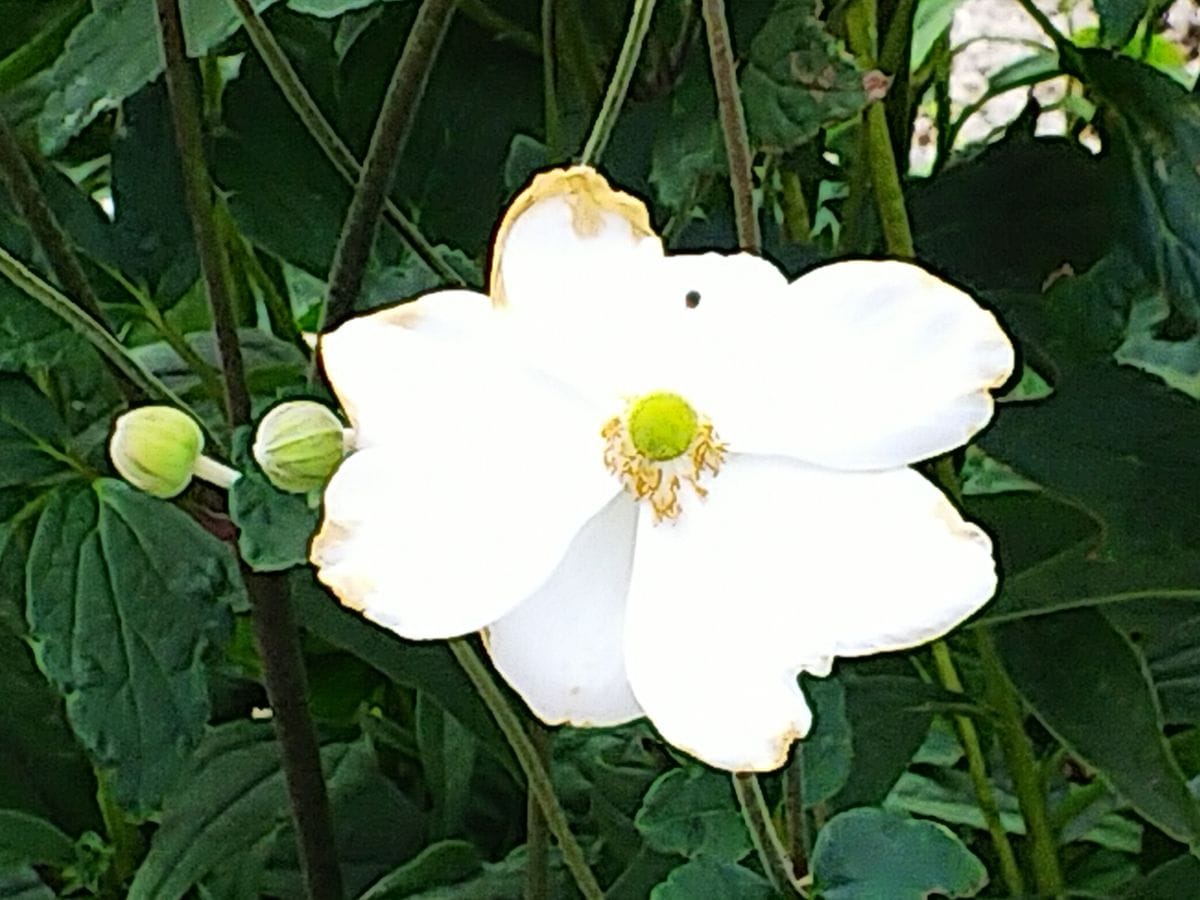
[(298, 445), (155, 448)]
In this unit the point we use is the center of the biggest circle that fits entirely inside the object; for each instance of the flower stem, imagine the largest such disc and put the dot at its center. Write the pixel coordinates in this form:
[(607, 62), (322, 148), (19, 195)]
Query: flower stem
[(774, 859), (271, 613), (799, 835), (214, 263), (618, 87), (1022, 766), (535, 772), (881, 156), (215, 473), (278, 641), (327, 139), (537, 836), (985, 794), (550, 80), (733, 124), (18, 176), (379, 168)]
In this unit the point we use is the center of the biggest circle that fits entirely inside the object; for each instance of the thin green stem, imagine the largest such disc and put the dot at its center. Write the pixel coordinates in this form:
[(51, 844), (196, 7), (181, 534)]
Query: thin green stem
[(273, 622), (96, 335), (536, 774), (379, 168), (889, 196), (1022, 766), (49, 234), (733, 124), (772, 856), (123, 836), (618, 85), (537, 836), (985, 794), (209, 377), (327, 138), (550, 80)]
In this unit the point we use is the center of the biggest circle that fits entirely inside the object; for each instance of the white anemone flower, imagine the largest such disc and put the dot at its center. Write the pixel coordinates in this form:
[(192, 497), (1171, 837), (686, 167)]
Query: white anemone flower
[(661, 485)]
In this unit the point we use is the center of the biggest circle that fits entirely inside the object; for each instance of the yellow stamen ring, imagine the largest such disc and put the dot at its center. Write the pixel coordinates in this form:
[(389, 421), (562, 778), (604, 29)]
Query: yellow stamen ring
[(657, 445)]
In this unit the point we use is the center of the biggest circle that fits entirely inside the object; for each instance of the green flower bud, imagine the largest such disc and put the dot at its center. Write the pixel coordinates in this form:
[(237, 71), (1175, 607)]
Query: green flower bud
[(298, 445), (155, 448)]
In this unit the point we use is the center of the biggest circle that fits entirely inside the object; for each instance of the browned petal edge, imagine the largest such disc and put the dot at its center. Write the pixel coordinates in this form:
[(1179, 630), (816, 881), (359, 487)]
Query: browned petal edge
[(589, 195)]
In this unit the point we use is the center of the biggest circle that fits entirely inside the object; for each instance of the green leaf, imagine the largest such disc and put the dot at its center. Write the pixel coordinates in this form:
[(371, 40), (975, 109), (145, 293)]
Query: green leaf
[(30, 336), (1131, 472), (797, 79), (25, 838), (113, 52), (1118, 19), (127, 595), (151, 231), (1176, 878), (828, 748), (231, 804), (688, 148), (447, 752), (948, 796), (443, 863), (23, 883), (875, 853), (32, 434), (712, 878), (423, 665), (694, 812), (274, 528), (1176, 362), (889, 718), (45, 772), (377, 827), (1152, 125), (1078, 672)]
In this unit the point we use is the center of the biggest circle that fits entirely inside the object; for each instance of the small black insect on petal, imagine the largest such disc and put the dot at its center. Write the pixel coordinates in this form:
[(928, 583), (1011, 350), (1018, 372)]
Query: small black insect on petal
[(692, 299)]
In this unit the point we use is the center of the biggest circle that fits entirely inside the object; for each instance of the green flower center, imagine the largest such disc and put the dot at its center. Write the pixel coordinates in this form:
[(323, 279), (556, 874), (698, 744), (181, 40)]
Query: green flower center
[(662, 425)]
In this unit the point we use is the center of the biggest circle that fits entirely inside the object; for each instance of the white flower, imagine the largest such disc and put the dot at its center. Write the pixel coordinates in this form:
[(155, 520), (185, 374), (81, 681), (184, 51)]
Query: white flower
[(519, 470)]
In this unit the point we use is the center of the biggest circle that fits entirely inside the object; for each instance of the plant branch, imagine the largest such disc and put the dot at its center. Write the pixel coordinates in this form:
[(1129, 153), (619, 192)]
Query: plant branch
[(774, 858), (799, 834), (375, 181), (274, 626), (537, 836), (1022, 766), (535, 772), (550, 117), (327, 138), (16, 173), (985, 794), (214, 264), (618, 86), (733, 124)]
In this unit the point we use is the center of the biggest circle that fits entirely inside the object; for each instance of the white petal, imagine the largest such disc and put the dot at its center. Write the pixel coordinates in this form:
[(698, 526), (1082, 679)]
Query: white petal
[(472, 477), (569, 269), (783, 567), (563, 649), (858, 365)]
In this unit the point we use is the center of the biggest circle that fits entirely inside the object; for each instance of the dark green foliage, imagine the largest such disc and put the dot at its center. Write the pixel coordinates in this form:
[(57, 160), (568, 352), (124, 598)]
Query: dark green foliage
[(137, 754)]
